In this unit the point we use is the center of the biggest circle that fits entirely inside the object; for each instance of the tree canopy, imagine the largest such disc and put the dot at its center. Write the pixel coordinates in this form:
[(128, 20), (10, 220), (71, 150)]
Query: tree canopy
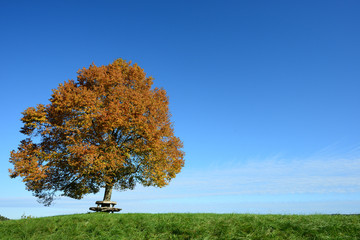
[(108, 129)]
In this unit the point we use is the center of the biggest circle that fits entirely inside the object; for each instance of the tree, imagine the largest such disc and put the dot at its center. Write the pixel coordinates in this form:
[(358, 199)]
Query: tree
[(109, 129)]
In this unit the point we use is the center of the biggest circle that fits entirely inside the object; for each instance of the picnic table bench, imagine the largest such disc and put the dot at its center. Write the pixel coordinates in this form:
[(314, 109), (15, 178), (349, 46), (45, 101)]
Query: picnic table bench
[(105, 206)]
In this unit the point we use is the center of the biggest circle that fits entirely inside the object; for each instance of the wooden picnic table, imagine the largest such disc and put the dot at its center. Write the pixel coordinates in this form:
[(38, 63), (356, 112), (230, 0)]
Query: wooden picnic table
[(105, 206)]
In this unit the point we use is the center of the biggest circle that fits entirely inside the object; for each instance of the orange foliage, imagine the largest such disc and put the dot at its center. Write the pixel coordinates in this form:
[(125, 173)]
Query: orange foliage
[(108, 128)]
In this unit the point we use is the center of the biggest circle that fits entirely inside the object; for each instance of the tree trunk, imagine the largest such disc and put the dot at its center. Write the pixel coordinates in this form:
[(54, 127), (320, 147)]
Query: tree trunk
[(108, 192)]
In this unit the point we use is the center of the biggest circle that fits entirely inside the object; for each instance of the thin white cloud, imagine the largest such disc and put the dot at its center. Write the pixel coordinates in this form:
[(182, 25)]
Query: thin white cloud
[(273, 176), (277, 177)]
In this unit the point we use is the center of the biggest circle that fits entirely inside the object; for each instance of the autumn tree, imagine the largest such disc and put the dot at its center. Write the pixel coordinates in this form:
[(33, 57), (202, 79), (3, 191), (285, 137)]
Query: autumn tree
[(108, 129)]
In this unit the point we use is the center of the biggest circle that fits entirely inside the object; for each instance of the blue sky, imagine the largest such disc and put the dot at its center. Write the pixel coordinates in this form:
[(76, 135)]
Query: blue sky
[(264, 95)]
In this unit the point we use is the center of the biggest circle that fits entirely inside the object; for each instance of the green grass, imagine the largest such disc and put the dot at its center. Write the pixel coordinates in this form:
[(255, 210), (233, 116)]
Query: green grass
[(183, 226)]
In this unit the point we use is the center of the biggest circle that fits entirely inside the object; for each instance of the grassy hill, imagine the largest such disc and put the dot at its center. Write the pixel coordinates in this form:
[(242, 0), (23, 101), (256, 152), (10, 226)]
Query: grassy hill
[(183, 226)]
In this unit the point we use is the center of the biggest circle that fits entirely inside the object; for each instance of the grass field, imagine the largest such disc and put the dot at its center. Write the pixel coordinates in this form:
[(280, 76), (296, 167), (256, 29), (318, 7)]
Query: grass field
[(183, 226)]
